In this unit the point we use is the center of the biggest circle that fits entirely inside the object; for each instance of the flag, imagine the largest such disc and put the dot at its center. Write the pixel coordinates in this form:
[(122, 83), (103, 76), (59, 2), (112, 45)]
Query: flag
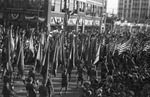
[(31, 45), (63, 50), (38, 60), (97, 55), (45, 67), (42, 39), (46, 60), (20, 61), (16, 38), (12, 43), (56, 55), (55, 64), (8, 53), (125, 46), (74, 50), (60, 47)]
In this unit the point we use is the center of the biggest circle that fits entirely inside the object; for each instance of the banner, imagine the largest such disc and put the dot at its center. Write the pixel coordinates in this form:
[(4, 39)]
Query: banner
[(96, 23), (80, 21), (72, 21), (41, 19), (56, 21), (88, 22), (14, 16), (29, 17)]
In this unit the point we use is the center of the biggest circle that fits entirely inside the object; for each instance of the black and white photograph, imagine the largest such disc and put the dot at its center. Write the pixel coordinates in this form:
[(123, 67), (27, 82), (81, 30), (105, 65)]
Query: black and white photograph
[(74, 48)]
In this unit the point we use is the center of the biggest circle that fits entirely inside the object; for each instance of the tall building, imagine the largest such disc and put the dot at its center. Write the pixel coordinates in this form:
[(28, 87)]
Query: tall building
[(134, 10)]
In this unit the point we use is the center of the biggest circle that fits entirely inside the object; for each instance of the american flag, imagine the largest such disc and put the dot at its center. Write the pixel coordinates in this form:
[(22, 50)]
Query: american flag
[(125, 46), (146, 48)]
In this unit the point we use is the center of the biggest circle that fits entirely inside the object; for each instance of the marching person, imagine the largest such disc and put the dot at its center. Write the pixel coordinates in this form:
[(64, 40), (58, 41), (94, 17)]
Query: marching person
[(31, 91), (64, 82), (93, 73), (80, 72), (49, 86), (43, 90), (7, 78), (32, 74), (7, 90)]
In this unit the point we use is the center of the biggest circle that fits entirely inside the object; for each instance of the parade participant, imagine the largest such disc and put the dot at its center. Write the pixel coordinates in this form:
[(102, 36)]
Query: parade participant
[(88, 68), (49, 85), (93, 73), (31, 92), (69, 71), (64, 82), (32, 74), (80, 75), (87, 90), (104, 70), (6, 78), (43, 90), (7, 92), (4, 60)]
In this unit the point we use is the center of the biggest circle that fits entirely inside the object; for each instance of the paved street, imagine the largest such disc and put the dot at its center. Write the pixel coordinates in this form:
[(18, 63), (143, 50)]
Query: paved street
[(72, 90)]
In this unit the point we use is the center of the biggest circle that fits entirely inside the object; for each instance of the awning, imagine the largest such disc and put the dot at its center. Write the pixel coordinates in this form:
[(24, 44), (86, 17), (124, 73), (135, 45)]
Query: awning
[(82, 0), (94, 2)]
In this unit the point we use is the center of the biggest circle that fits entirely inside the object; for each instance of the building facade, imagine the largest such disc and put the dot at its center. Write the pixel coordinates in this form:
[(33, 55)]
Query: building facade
[(134, 10), (52, 12)]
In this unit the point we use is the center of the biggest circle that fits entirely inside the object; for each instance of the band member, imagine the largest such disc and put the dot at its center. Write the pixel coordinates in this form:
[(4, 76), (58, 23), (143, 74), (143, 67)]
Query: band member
[(93, 73), (64, 82), (32, 74), (31, 92), (7, 91), (49, 86), (43, 90), (80, 75)]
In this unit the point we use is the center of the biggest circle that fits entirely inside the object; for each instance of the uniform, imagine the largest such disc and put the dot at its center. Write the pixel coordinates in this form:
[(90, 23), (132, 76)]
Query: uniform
[(64, 82), (31, 90), (43, 91)]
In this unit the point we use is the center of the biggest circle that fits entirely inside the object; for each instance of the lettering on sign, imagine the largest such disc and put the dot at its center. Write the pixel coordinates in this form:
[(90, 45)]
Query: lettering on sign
[(52, 20), (56, 20), (80, 21), (96, 23), (88, 22)]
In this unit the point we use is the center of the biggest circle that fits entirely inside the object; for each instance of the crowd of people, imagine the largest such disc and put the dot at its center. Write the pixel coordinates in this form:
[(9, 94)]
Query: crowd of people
[(122, 58)]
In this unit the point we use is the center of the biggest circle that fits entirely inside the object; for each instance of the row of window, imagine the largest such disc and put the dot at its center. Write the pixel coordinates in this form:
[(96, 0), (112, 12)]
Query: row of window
[(56, 5), (134, 15), (73, 6)]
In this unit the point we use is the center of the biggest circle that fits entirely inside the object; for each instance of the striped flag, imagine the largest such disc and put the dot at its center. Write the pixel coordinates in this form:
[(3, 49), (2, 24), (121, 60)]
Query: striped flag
[(125, 46)]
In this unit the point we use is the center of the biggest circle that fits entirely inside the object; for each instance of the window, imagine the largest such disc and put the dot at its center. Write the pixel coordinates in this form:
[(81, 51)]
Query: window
[(67, 3), (100, 11), (53, 5), (57, 5), (88, 9), (71, 5)]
